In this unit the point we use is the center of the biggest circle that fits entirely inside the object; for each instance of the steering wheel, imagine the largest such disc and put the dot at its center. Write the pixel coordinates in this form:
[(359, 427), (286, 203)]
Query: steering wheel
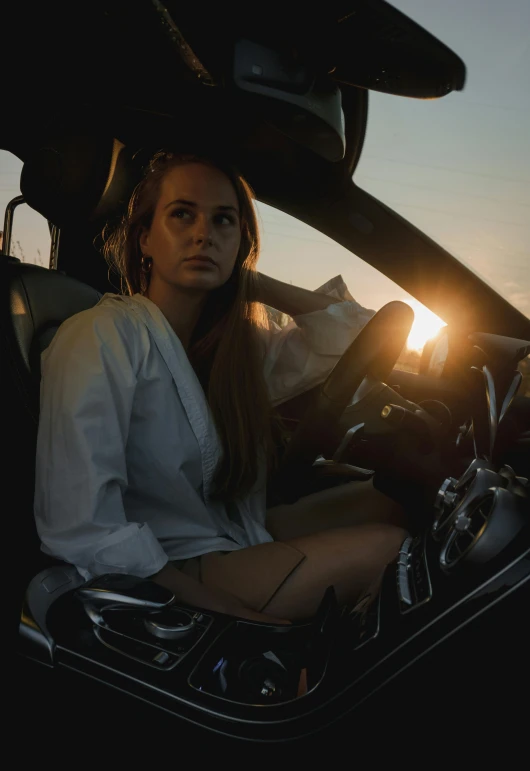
[(373, 353)]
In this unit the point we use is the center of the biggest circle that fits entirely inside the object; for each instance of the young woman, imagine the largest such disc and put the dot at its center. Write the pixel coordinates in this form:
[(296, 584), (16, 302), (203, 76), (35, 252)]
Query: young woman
[(156, 427)]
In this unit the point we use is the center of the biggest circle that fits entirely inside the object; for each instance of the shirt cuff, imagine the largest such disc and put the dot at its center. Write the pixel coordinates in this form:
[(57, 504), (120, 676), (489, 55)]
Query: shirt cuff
[(336, 288), (331, 331), (133, 549)]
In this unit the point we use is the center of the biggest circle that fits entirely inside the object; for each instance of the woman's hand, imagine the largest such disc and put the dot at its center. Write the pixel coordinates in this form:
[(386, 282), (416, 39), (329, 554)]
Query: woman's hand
[(192, 592), (290, 299)]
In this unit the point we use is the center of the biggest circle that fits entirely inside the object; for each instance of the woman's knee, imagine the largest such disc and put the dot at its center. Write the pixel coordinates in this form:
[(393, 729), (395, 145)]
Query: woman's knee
[(375, 538), (351, 559), (385, 537)]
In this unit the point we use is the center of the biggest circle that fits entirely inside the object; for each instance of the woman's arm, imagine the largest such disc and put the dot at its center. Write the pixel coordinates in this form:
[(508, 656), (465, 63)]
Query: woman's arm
[(87, 393), (289, 299), (300, 355)]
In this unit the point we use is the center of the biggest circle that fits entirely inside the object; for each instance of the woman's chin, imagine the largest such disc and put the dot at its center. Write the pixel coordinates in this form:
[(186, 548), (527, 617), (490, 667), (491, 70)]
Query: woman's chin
[(204, 283)]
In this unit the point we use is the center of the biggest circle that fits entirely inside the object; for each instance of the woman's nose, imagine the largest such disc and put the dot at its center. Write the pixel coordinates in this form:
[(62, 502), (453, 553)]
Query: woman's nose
[(204, 239), (203, 231)]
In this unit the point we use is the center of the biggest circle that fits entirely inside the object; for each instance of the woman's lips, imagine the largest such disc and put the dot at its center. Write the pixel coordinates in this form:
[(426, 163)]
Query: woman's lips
[(200, 259)]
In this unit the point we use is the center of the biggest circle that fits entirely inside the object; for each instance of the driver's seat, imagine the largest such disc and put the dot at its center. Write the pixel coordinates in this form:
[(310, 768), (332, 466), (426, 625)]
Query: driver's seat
[(35, 302), (38, 300), (70, 181)]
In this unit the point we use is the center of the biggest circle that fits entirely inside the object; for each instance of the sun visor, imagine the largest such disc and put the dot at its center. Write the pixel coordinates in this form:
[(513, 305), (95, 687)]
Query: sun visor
[(306, 108), (77, 178), (378, 47)]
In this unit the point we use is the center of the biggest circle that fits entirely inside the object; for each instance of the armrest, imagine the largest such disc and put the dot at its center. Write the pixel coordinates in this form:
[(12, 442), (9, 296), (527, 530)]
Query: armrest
[(35, 640)]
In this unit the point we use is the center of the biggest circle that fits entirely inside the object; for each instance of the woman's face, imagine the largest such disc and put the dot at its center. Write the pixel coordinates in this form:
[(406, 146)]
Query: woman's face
[(195, 234)]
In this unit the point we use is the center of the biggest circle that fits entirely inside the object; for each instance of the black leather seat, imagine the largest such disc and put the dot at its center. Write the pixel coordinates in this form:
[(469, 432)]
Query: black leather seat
[(38, 301), (72, 179), (35, 301)]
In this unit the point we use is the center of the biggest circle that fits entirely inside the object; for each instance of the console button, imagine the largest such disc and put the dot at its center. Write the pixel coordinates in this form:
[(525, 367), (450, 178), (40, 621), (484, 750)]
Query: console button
[(403, 585), (161, 658), (54, 580), (173, 624), (413, 584)]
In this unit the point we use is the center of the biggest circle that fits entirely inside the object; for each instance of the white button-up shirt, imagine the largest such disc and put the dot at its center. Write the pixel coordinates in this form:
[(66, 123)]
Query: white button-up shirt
[(127, 447)]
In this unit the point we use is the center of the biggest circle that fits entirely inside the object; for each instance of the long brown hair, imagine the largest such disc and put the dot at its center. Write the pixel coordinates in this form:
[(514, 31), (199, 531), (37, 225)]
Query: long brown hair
[(224, 349)]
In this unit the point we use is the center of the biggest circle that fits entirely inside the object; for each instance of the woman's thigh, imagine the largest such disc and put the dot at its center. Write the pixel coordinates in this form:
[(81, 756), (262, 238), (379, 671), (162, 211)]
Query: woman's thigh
[(355, 503), (288, 580), (351, 559)]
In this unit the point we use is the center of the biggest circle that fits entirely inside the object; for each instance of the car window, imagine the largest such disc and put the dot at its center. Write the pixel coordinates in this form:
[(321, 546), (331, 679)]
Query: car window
[(297, 253), (459, 167), (30, 238)]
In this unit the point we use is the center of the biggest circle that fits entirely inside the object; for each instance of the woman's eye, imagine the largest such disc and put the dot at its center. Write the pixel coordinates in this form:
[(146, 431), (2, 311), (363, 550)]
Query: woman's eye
[(225, 219), (181, 214)]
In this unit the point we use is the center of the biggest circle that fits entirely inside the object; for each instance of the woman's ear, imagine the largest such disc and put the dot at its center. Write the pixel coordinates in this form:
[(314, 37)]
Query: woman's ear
[(143, 241)]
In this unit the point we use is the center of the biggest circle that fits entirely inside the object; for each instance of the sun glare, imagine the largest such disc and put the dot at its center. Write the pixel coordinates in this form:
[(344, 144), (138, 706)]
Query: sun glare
[(426, 325)]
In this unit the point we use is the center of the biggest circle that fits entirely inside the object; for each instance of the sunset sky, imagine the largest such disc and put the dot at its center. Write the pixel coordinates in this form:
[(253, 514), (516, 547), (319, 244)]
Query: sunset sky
[(457, 167)]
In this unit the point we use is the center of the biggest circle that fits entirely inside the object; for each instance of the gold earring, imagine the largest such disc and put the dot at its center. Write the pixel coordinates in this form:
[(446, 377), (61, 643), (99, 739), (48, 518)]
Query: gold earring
[(146, 263)]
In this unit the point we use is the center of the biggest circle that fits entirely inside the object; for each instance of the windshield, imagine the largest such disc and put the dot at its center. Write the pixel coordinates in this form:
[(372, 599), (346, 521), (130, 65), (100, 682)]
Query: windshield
[(459, 167)]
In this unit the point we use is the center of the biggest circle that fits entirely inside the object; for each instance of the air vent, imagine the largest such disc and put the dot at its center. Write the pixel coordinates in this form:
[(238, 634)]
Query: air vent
[(456, 500), (447, 500), (469, 527)]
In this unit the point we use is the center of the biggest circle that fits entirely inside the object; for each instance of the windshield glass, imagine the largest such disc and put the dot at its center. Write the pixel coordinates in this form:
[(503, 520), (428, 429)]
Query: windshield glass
[(459, 167)]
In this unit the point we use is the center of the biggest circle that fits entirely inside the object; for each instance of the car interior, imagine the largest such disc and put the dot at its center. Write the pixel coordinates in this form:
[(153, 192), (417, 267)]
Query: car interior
[(284, 91)]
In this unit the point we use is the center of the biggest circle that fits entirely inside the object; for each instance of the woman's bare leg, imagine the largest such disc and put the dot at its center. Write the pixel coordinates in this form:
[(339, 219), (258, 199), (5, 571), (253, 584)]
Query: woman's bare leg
[(355, 503), (352, 559)]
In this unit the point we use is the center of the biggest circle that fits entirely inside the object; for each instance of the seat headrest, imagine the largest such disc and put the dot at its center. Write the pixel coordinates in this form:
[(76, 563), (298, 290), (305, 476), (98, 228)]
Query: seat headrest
[(78, 178)]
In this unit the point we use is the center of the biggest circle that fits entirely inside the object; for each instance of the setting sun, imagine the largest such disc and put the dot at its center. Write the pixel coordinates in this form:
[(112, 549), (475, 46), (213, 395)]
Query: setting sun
[(426, 325)]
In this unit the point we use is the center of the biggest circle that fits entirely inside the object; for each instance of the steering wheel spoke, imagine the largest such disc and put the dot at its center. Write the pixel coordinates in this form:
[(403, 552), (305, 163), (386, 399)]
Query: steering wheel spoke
[(373, 353)]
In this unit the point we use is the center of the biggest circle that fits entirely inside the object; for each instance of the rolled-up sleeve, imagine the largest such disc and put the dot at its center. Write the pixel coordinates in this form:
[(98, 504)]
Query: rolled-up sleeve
[(89, 376), (301, 355)]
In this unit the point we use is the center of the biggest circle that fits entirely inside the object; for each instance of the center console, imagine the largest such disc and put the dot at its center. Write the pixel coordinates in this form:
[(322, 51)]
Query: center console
[(270, 682)]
